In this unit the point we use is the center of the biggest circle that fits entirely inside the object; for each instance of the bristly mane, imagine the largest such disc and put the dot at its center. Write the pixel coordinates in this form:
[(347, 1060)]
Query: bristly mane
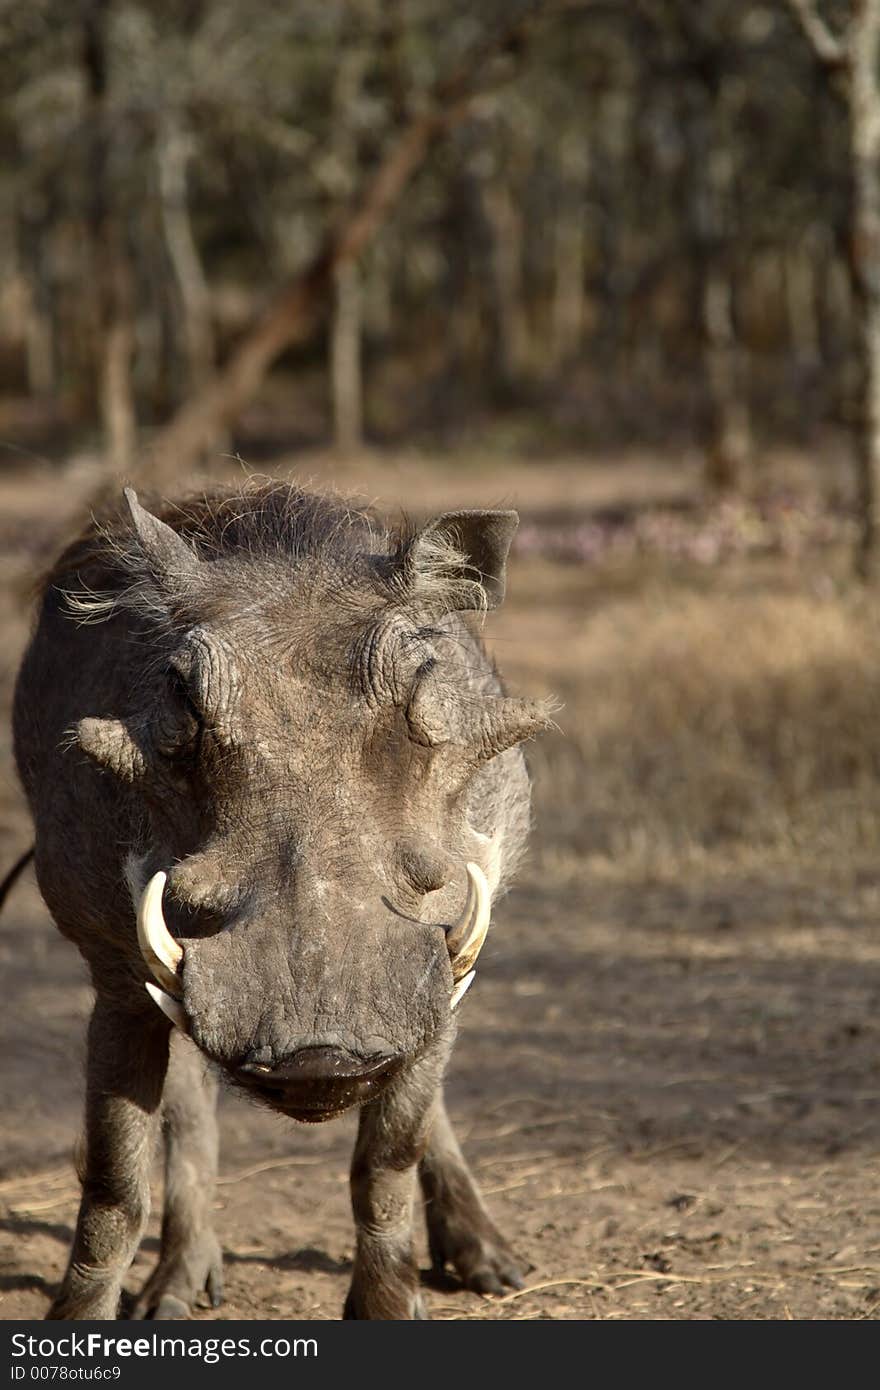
[(105, 568)]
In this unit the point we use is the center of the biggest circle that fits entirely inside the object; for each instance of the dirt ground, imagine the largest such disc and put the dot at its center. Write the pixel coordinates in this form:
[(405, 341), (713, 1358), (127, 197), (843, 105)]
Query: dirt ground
[(668, 1071)]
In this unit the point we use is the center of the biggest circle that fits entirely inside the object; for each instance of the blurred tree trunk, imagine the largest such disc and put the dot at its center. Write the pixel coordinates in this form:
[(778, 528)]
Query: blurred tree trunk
[(117, 399), (567, 310), (39, 334), (852, 56), (345, 360), (510, 329), (468, 359), (346, 377), (111, 271), (834, 301), (609, 173), (801, 302), (173, 153), (569, 253), (39, 345), (729, 441), (710, 177), (864, 90)]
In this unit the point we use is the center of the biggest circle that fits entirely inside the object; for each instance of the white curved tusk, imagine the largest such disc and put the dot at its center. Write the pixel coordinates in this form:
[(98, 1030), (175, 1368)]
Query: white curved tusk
[(461, 989), (171, 1008), (465, 939), (158, 947)]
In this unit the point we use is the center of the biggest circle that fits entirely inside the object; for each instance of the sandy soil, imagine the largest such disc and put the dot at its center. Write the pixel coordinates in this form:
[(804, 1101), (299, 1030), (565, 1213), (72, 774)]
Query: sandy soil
[(667, 1083)]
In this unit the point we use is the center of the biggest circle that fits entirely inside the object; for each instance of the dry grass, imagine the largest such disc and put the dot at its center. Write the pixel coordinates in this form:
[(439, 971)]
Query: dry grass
[(706, 723)]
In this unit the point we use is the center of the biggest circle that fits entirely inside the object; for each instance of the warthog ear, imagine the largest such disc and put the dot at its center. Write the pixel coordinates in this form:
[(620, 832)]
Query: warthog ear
[(168, 554), (110, 744), (481, 538)]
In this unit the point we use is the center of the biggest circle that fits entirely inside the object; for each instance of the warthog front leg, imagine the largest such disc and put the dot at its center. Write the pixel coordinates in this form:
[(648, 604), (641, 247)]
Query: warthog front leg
[(460, 1231), (127, 1059), (392, 1137), (190, 1261)]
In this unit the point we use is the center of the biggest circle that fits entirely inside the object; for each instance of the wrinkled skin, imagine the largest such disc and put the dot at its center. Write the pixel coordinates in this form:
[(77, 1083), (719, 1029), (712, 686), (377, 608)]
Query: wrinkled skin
[(279, 704)]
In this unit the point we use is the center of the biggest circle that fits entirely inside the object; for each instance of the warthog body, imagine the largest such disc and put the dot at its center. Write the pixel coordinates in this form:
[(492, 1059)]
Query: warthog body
[(275, 783)]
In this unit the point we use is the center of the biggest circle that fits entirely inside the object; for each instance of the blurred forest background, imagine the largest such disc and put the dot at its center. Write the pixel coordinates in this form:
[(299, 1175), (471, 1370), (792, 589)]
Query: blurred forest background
[(578, 225)]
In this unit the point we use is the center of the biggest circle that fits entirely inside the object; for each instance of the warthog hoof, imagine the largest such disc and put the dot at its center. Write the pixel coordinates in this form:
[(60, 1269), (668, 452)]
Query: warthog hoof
[(480, 1256), (181, 1279)]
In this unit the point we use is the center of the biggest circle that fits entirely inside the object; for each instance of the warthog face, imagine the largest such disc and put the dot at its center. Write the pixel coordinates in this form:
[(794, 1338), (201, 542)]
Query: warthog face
[(303, 741)]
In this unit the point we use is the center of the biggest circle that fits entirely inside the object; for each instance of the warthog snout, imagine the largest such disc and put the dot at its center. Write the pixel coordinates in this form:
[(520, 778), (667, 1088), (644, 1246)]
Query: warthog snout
[(164, 955), (317, 1082)]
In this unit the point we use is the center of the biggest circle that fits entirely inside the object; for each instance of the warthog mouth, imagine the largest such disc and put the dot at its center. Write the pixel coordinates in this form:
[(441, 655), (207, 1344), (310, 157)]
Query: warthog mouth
[(318, 1083), (164, 955)]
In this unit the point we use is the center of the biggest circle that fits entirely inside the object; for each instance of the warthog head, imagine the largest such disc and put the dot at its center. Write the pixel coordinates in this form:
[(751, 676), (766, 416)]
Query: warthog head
[(307, 737)]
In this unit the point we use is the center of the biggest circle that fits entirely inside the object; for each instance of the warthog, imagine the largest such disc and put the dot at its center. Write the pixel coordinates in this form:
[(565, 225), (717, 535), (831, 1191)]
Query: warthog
[(276, 784)]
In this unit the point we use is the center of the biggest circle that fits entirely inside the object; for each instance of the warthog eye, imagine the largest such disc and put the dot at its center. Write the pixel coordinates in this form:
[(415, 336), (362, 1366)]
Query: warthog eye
[(180, 721)]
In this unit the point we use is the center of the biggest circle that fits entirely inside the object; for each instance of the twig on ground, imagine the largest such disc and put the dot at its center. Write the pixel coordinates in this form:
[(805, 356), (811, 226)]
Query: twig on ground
[(229, 1178)]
